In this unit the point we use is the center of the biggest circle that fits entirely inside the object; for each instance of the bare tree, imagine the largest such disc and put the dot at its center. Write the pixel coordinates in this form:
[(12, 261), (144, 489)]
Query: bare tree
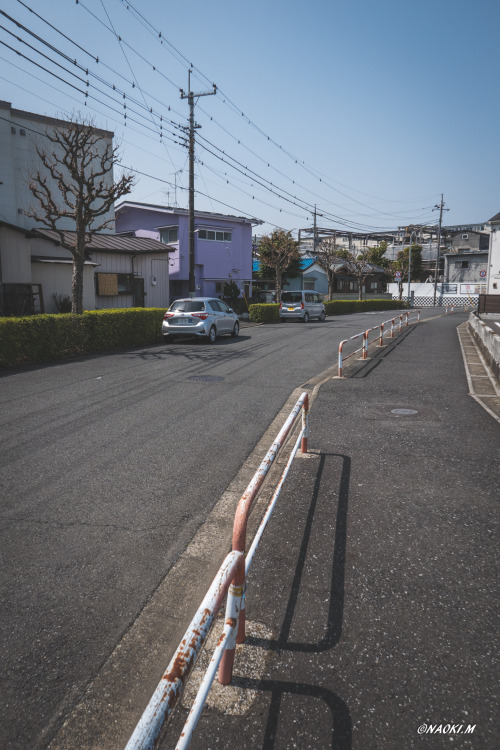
[(327, 255), (357, 264), (279, 251), (76, 184)]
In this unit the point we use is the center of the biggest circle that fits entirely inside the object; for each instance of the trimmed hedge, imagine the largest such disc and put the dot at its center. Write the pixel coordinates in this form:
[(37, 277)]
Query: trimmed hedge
[(269, 313), (42, 338), (264, 313), (345, 306)]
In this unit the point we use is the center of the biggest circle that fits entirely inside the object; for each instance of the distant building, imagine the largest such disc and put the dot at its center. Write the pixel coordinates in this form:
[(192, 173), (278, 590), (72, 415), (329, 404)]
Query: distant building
[(467, 241), (223, 245), (465, 272), (312, 277), (493, 279)]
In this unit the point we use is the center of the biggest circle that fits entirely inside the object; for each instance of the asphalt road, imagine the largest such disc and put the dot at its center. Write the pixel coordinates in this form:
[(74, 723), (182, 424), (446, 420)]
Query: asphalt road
[(109, 464)]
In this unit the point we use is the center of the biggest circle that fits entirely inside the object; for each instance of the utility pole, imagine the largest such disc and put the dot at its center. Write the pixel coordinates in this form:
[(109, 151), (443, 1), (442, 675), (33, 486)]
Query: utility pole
[(190, 96), (441, 209), (315, 237)]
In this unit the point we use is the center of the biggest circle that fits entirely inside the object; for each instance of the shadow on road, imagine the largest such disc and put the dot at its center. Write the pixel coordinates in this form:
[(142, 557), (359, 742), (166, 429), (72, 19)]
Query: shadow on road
[(194, 350), (336, 592), (339, 734)]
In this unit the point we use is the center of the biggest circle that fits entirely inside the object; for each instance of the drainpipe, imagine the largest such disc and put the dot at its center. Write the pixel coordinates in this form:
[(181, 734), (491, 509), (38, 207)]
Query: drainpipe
[(133, 285)]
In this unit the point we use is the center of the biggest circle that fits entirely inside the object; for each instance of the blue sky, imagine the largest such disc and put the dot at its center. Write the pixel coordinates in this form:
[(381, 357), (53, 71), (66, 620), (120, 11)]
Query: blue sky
[(368, 110)]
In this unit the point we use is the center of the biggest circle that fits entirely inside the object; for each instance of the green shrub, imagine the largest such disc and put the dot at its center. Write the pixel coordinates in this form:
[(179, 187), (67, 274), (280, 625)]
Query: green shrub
[(269, 313), (346, 306), (42, 338), (264, 313)]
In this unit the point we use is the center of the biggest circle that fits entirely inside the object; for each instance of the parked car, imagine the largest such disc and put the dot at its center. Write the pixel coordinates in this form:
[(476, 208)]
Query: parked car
[(200, 316), (301, 305)]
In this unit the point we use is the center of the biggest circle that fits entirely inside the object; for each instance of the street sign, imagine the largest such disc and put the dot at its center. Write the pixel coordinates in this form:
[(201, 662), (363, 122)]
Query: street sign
[(482, 274), (398, 274)]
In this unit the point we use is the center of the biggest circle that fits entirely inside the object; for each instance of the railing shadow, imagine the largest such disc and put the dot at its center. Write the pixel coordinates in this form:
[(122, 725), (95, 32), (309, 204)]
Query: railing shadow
[(336, 594), (340, 734), (341, 724)]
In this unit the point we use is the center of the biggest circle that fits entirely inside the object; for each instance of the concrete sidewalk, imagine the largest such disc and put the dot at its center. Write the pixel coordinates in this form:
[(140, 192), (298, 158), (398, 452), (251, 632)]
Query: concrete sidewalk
[(371, 601)]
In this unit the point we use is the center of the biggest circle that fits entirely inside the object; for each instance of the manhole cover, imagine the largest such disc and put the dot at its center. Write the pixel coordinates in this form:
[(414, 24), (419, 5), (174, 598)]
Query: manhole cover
[(404, 412), (207, 378)]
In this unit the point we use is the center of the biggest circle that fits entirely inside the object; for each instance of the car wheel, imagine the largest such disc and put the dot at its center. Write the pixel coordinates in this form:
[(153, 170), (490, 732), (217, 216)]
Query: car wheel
[(165, 336), (306, 317), (236, 330), (282, 320), (323, 315), (212, 334)]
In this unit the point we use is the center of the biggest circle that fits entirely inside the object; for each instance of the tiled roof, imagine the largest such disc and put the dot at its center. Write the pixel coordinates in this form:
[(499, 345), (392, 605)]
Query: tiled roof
[(111, 243)]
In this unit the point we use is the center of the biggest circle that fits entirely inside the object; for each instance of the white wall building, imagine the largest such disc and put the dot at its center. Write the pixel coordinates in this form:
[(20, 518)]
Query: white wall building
[(494, 264), (20, 133)]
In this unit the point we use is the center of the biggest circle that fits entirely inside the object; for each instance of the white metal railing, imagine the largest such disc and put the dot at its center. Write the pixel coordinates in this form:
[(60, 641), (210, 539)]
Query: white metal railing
[(365, 336), (230, 579)]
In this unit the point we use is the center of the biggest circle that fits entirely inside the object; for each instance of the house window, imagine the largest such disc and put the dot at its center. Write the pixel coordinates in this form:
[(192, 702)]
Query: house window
[(214, 235), (465, 236), (309, 283), (125, 283), (461, 264), (169, 235)]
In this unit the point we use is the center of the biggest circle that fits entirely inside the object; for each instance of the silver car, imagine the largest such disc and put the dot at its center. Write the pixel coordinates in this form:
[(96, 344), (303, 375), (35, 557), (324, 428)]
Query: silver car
[(200, 316), (301, 305)]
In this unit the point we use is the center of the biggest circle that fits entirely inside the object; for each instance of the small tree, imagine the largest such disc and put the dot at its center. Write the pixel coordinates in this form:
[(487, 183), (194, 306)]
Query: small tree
[(231, 294), (402, 264), (358, 266), (76, 185), (327, 255), (376, 255), (279, 252)]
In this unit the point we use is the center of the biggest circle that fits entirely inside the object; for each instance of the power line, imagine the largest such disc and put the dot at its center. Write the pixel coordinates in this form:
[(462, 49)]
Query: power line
[(226, 100)]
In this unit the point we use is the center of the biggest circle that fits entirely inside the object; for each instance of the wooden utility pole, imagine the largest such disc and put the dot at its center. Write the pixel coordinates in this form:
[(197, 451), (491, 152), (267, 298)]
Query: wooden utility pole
[(190, 96)]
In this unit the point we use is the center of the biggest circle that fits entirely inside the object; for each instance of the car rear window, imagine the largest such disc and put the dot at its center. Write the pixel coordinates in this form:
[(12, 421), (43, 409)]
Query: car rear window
[(187, 305), (291, 297)]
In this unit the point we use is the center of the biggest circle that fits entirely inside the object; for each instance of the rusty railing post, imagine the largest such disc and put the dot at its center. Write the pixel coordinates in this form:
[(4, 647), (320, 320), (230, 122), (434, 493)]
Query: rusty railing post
[(365, 345), (340, 356), (305, 424)]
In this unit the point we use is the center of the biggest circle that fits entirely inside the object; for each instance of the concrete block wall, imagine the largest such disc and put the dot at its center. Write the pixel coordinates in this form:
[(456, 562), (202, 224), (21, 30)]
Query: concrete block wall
[(488, 341)]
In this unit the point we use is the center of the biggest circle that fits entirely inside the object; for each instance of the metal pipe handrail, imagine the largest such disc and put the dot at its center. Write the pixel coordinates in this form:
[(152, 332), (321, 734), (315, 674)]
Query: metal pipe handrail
[(169, 689), (229, 631), (230, 580), (365, 335), (243, 512)]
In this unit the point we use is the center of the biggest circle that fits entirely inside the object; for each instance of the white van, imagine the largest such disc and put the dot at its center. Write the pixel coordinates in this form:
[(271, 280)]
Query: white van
[(301, 305)]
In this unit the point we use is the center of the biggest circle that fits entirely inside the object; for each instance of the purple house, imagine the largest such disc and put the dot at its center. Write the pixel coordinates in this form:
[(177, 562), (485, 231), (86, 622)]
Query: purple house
[(223, 245)]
